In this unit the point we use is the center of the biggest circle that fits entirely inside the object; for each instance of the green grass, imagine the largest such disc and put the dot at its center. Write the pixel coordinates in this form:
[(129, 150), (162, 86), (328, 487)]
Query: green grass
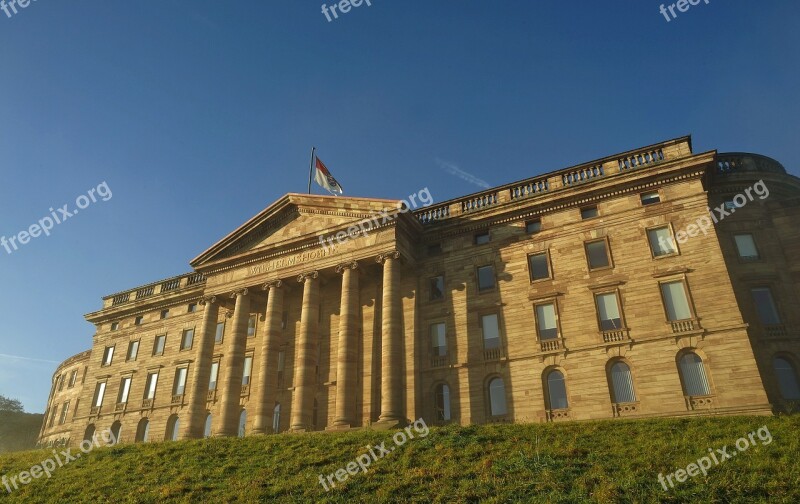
[(605, 461)]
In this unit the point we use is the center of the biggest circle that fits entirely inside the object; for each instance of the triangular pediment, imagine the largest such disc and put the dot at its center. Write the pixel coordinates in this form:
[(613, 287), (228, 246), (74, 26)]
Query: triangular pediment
[(294, 217)]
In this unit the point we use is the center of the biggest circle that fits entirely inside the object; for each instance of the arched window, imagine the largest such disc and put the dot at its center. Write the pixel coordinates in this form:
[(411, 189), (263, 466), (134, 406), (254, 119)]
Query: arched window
[(693, 374), (116, 430), (173, 426), (88, 434), (143, 430), (497, 397), (207, 428), (276, 418), (442, 402), (621, 383), (242, 423), (556, 391), (787, 379)]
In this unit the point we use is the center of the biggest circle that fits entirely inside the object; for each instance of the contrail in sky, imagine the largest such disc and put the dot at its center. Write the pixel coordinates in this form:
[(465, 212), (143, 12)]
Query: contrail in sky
[(27, 358), (458, 172)]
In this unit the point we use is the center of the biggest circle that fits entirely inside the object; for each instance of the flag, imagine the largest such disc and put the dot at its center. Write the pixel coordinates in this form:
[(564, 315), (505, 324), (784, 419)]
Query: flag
[(324, 178)]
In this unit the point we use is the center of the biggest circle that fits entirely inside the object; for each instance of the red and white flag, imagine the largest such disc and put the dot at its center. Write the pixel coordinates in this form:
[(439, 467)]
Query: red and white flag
[(324, 178)]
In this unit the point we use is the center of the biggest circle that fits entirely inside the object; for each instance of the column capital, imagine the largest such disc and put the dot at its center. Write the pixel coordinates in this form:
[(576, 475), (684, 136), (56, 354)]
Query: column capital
[(393, 254), (208, 300), (239, 292), (275, 283), (302, 277), (353, 265)]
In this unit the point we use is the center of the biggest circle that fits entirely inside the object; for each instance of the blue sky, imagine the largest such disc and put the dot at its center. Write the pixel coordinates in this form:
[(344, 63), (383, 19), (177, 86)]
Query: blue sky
[(198, 114)]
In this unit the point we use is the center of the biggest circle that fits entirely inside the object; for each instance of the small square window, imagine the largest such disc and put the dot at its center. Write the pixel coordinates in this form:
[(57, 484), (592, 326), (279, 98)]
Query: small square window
[(730, 205), (589, 212), (434, 249), (650, 198), (437, 288), (661, 242), (597, 255), (164, 314), (533, 226), (538, 266), (114, 326), (139, 320), (486, 280), (192, 307), (482, 238)]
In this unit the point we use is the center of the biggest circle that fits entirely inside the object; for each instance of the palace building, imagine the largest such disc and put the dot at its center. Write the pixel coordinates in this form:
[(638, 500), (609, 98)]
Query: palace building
[(656, 282)]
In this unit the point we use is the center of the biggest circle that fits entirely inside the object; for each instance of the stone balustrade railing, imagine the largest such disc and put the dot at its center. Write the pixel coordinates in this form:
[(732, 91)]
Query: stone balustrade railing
[(162, 287)]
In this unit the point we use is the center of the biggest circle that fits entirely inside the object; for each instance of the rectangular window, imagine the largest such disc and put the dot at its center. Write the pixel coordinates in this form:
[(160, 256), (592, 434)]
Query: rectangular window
[(179, 387), (133, 350), (64, 410), (546, 321), (491, 331), (187, 339), (251, 326), (108, 356), (746, 246), (53, 416), (248, 369), (439, 339), (138, 320), (114, 326), (533, 226), (164, 314), (486, 280), (150, 386), (538, 266), (124, 390), (99, 392), (158, 346), (212, 381), (192, 307), (61, 382), (661, 241), (589, 212), (437, 288), (220, 332), (675, 301), (650, 198), (765, 306), (73, 377), (482, 238), (608, 311), (597, 255)]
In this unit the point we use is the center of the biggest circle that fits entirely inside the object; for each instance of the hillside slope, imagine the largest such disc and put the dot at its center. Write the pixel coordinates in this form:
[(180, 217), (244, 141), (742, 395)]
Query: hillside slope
[(19, 431), (608, 461)]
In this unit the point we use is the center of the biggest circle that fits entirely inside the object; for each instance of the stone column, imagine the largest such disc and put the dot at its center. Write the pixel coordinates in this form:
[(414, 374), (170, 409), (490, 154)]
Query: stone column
[(233, 367), (268, 360), (201, 371), (347, 353), (305, 355), (391, 342)]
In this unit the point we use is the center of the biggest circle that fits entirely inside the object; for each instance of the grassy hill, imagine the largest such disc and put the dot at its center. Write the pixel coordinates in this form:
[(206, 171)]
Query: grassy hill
[(605, 461), (19, 431)]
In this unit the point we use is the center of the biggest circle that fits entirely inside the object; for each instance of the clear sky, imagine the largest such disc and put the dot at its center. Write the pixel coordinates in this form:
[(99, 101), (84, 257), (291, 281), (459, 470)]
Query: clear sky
[(198, 114)]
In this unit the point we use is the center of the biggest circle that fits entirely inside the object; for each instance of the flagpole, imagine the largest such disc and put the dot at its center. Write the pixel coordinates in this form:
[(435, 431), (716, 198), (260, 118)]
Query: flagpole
[(311, 169)]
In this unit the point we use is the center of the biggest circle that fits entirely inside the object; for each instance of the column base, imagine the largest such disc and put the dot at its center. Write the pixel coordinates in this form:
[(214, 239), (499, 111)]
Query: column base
[(340, 427), (388, 424)]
